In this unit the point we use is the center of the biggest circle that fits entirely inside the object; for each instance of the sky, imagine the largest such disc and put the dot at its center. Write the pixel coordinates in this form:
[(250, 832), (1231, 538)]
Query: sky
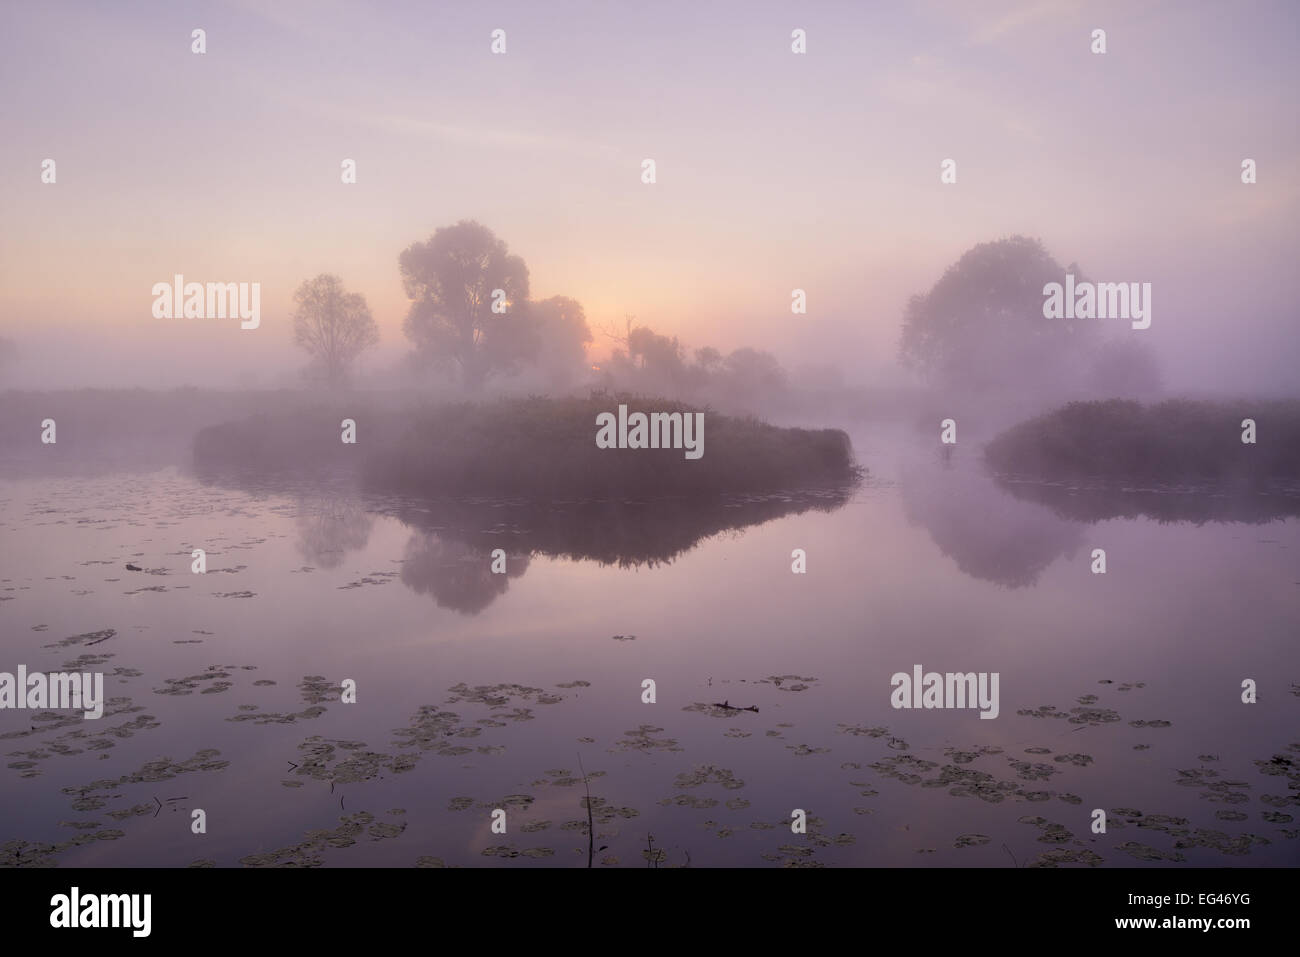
[(775, 171)]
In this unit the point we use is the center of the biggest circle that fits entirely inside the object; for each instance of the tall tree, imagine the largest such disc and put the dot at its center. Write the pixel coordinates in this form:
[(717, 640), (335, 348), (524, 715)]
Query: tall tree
[(982, 324), (562, 331), (451, 280), (333, 325)]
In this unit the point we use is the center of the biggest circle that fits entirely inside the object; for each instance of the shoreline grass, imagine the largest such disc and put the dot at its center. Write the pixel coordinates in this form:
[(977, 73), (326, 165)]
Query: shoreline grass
[(1176, 441), (537, 448)]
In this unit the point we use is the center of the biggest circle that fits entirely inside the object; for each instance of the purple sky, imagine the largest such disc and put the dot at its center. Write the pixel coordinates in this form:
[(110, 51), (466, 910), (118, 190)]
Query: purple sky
[(775, 171)]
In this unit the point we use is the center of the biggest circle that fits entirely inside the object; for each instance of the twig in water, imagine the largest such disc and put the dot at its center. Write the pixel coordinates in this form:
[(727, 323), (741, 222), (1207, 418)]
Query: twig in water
[(1013, 857), (591, 827)]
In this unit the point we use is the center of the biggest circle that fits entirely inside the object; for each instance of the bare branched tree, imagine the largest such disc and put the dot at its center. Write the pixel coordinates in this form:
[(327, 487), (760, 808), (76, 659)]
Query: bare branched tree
[(334, 326)]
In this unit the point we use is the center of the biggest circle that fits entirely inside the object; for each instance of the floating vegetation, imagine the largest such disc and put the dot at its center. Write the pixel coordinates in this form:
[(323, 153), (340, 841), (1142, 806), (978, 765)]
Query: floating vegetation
[(642, 739), (906, 768), (315, 690), (1281, 765), (374, 578), (1068, 855), (1032, 772), (429, 728), (89, 638), (721, 710), (216, 675), (310, 852), (1279, 800), (1080, 715), (1078, 760), (788, 682), (494, 696), (857, 729), (344, 762), (804, 750), (1143, 852), (708, 774), (689, 800), (602, 812), (971, 840), (81, 738), (1224, 792), (513, 800), (1052, 833)]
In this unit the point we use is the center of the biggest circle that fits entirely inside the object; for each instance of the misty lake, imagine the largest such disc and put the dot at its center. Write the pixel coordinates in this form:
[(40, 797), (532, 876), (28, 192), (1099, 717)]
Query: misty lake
[(477, 691)]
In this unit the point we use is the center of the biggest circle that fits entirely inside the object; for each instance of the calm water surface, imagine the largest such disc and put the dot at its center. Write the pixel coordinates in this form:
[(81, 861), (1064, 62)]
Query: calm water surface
[(478, 691)]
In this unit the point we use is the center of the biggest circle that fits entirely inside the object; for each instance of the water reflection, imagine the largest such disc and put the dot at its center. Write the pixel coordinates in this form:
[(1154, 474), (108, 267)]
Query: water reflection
[(456, 575), (990, 535), (1009, 531), (1194, 504), (450, 554), (329, 526)]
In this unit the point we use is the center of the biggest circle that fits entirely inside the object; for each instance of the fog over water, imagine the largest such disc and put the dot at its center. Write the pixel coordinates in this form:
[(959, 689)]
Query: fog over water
[(385, 474)]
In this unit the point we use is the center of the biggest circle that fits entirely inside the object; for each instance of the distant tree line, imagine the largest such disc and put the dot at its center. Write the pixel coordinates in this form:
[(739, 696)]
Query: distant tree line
[(471, 321)]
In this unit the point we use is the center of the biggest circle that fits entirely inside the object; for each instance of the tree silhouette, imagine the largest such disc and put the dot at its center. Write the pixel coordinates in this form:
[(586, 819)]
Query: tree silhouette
[(334, 326), (562, 332), (752, 372), (450, 280), (982, 324)]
